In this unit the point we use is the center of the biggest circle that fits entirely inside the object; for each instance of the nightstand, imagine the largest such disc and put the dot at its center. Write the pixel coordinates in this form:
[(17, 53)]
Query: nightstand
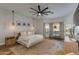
[(10, 41)]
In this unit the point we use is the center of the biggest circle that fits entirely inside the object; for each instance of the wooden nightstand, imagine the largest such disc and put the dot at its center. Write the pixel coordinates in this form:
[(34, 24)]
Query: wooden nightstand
[(10, 41)]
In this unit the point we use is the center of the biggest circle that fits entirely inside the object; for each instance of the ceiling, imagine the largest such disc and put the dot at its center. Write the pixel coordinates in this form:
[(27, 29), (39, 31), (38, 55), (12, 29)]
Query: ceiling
[(59, 9)]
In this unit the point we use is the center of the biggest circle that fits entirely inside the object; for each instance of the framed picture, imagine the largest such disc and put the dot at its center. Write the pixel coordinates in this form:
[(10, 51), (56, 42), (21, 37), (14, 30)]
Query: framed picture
[(28, 24), (24, 24), (18, 24), (56, 27)]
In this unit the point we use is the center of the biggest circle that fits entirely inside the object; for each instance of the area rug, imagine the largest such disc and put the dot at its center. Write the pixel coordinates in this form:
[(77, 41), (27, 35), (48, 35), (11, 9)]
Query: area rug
[(47, 47)]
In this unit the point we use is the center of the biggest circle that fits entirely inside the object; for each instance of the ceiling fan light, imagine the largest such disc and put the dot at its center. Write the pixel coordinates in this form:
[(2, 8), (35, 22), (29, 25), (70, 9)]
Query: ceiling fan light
[(39, 14)]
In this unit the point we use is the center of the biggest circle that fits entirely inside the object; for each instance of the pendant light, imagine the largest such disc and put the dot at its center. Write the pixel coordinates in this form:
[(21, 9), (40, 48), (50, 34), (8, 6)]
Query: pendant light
[(13, 17)]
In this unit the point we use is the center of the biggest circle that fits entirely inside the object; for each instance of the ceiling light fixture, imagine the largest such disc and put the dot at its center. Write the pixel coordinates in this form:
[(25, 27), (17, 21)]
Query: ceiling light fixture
[(41, 12)]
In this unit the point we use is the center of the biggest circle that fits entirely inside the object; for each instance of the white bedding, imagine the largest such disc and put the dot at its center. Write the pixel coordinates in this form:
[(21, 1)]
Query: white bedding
[(30, 40)]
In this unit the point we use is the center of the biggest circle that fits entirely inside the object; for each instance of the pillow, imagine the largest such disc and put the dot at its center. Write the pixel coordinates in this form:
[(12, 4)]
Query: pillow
[(30, 33), (9, 34), (23, 33)]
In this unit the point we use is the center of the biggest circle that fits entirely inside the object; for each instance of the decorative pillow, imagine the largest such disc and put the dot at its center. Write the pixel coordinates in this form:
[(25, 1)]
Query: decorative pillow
[(9, 34), (23, 34), (30, 33)]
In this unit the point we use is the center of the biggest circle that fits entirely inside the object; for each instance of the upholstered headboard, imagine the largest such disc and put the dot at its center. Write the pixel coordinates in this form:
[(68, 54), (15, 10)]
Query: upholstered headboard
[(19, 34)]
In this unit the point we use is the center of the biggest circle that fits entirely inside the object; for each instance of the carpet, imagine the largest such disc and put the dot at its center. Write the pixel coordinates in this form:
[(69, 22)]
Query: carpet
[(47, 47)]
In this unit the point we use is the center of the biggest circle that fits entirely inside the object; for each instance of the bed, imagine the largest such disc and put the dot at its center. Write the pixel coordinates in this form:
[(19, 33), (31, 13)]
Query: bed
[(30, 40)]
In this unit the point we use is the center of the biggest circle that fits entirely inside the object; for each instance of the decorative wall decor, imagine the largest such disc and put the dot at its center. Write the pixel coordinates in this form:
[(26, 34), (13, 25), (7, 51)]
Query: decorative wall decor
[(56, 27), (28, 24), (24, 24), (18, 24)]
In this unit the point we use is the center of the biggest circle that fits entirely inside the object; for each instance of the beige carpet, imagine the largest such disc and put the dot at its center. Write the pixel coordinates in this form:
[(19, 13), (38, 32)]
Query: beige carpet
[(47, 47)]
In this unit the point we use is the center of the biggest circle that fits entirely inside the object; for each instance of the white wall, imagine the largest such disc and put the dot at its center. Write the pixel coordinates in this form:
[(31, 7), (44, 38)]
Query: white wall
[(68, 19), (38, 23), (6, 21)]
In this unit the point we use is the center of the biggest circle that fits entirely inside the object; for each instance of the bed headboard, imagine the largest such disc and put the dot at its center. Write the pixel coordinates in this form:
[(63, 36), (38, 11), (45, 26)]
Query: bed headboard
[(19, 34)]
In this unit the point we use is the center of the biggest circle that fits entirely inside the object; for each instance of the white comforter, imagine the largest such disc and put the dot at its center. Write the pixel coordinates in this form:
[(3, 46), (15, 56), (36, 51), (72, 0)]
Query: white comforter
[(30, 40)]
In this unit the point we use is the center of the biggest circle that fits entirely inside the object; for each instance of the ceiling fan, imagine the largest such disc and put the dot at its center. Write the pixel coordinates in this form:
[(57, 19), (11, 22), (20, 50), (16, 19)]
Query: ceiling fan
[(40, 12)]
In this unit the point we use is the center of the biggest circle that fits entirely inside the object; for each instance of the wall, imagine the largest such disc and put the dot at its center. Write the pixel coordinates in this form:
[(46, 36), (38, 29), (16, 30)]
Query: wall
[(38, 23), (76, 16), (59, 20), (67, 20), (6, 27)]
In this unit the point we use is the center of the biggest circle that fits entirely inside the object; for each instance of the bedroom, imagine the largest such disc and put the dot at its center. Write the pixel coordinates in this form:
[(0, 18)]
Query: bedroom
[(45, 31)]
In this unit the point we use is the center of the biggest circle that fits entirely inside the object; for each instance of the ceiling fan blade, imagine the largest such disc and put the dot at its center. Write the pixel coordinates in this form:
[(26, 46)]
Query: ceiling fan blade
[(48, 12), (33, 14), (37, 15), (52, 12), (42, 14), (39, 8), (34, 9), (45, 9), (45, 14)]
